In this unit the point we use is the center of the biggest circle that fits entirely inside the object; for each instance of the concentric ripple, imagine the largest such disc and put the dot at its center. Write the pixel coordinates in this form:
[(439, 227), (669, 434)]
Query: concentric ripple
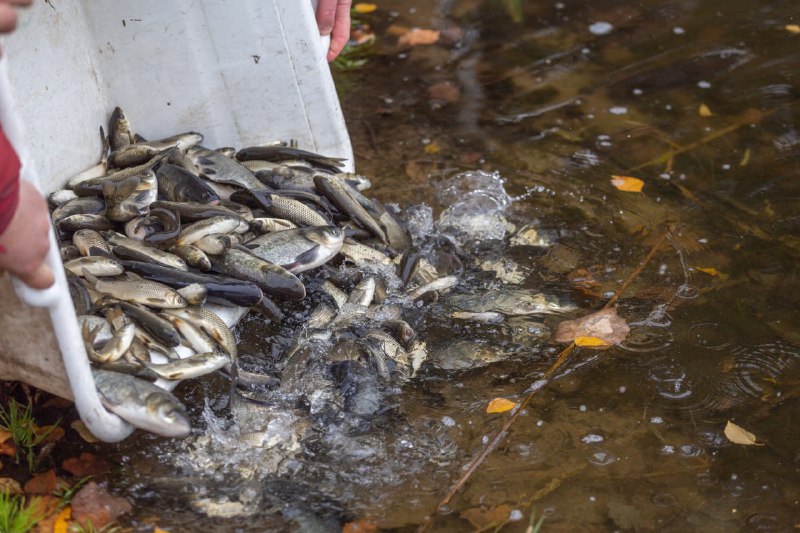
[(643, 338)]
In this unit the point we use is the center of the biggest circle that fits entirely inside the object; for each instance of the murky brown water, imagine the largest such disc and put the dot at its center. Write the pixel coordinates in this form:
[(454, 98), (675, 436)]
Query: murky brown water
[(625, 439)]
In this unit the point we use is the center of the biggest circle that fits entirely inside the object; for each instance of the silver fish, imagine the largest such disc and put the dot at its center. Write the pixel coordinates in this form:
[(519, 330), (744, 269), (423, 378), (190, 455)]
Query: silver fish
[(220, 169), (142, 404), (95, 265), (298, 250), (191, 367)]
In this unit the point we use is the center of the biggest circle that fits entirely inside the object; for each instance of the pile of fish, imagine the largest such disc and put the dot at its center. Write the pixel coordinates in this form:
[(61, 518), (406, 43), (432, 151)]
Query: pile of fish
[(159, 237)]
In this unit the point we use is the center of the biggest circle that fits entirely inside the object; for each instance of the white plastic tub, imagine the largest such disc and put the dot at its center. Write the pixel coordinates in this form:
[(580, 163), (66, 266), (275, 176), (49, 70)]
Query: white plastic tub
[(240, 72)]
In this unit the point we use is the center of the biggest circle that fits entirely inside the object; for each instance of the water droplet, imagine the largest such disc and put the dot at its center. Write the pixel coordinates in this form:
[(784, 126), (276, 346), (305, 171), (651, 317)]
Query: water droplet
[(663, 499), (601, 28), (602, 458), (592, 438)]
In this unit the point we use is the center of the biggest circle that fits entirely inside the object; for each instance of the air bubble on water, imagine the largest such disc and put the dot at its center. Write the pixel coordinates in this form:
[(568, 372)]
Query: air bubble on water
[(704, 84), (515, 515), (601, 28), (677, 30), (447, 421), (582, 408), (667, 450), (656, 420), (618, 110), (592, 438)]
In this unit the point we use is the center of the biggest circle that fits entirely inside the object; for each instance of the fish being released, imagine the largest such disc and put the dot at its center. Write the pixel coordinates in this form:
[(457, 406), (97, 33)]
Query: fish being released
[(298, 250), (142, 404)]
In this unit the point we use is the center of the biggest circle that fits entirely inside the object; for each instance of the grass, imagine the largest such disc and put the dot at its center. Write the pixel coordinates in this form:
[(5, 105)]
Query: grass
[(534, 528), (18, 421), (89, 528), (18, 516)]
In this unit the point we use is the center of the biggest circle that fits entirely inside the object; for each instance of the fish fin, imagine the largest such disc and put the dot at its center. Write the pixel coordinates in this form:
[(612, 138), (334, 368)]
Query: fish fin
[(249, 246), (304, 258), (117, 191), (90, 278), (97, 251)]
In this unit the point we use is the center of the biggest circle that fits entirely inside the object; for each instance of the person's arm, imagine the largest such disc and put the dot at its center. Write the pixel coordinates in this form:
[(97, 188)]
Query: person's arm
[(24, 224), (333, 17)]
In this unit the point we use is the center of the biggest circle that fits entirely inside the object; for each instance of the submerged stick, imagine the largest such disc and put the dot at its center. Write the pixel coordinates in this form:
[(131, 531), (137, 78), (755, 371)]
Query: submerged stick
[(538, 385)]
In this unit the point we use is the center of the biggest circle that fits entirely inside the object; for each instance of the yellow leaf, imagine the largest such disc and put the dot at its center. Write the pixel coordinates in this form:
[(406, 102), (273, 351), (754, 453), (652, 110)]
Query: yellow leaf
[(627, 183), (589, 342), (704, 111), (739, 435), (432, 148), (157, 529), (62, 520), (711, 271), (792, 28), (362, 8), (418, 36), (500, 405)]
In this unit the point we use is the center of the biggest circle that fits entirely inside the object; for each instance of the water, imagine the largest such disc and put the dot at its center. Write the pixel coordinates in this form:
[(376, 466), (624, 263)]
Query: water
[(517, 195)]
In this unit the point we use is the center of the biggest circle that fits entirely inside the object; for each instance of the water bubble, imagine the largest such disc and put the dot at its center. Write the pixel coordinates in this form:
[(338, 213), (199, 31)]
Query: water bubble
[(710, 335), (670, 379), (601, 28), (476, 204), (618, 110), (602, 458), (677, 30), (763, 522), (447, 421), (592, 438), (515, 515), (704, 84), (689, 450), (667, 450)]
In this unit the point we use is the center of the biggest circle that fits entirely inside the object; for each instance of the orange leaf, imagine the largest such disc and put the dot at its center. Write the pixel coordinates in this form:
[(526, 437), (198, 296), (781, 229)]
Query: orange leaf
[(363, 8), (157, 529), (590, 342), (481, 518), (627, 183), (704, 111), (432, 148), (93, 502), (52, 433), (418, 36), (500, 405), (62, 520), (792, 28), (86, 465), (42, 483), (10, 485), (7, 446)]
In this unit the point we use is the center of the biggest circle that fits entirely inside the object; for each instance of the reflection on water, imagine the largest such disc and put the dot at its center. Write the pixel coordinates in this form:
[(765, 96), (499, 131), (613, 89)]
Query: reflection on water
[(699, 99)]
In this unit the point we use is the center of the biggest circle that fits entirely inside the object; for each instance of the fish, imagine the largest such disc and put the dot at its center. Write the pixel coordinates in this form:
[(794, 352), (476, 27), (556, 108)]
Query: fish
[(214, 244), (196, 339), (95, 265), (179, 185), (439, 284), (271, 225), (90, 205), (120, 243), (73, 223), (112, 349), (151, 322), (193, 256), (194, 212), (142, 151), (299, 249), (217, 224), (119, 130), (98, 169), (508, 302), (338, 193), (294, 211), (365, 256), (142, 404), (221, 289), (280, 153), (363, 293), (61, 196), (91, 243), (190, 367), (271, 278), (158, 226), (149, 293), (130, 196), (211, 324), (194, 294), (220, 169)]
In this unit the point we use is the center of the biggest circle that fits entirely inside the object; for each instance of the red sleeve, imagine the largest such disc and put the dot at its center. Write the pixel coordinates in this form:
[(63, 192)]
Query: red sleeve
[(9, 182)]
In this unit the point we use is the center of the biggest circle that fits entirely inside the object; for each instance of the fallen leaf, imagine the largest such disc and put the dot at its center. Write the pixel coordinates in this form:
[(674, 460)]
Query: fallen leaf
[(83, 431), (500, 405), (446, 91), (481, 518), (86, 465), (7, 446), (62, 520), (360, 526), (157, 529), (739, 435), (627, 183), (418, 36), (432, 148), (363, 8), (704, 111), (792, 28), (590, 342), (603, 325), (48, 508), (4, 435), (397, 30), (10, 485), (52, 433), (57, 403), (93, 503), (711, 271), (44, 483)]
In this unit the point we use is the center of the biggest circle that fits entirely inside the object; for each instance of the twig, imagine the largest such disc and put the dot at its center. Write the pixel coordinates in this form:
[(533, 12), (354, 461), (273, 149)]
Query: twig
[(537, 386)]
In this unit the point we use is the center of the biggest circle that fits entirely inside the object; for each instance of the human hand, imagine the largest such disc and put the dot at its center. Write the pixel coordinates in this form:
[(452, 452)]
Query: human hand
[(8, 14), (25, 242), (333, 17)]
